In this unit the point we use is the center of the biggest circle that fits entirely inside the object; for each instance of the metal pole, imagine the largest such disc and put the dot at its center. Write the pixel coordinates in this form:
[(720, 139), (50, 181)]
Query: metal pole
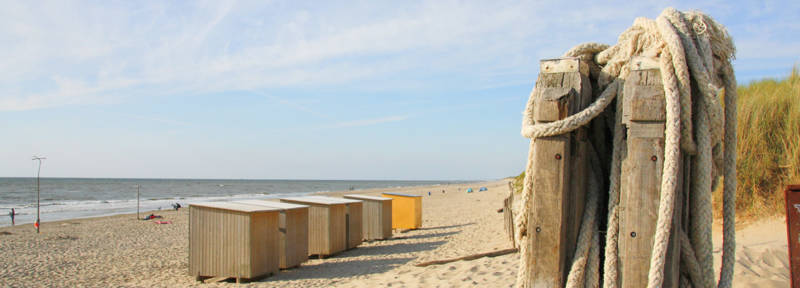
[(38, 172), (137, 201)]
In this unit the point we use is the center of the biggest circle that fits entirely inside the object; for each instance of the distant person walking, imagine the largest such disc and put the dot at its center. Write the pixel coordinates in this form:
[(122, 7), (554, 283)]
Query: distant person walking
[(11, 214)]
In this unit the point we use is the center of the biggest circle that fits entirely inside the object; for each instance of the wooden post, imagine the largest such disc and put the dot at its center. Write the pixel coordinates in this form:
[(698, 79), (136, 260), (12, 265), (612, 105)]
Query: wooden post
[(508, 215), (562, 89), (644, 116)]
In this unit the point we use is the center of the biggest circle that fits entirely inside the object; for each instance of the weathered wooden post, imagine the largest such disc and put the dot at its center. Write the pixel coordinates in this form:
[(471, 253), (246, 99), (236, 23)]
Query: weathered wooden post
[(508, 215), (562, 89), (644, 116)]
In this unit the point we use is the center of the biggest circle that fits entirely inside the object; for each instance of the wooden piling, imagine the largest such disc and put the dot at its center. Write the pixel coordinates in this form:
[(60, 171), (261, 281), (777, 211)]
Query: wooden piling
[(644, 116), (562, 89)]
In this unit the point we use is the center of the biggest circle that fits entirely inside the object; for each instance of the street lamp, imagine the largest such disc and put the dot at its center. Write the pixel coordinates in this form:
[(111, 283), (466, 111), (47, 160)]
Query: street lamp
[(39, 171)]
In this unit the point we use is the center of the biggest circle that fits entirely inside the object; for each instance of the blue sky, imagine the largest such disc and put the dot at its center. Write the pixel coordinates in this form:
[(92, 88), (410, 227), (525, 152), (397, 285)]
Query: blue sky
[(291, 90)]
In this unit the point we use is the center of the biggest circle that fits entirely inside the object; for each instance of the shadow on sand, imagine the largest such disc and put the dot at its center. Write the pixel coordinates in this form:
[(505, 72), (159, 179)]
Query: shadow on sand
[(383, 257), (398, 248), (342, 266), (341, 269), (443, 227), (421, 236)]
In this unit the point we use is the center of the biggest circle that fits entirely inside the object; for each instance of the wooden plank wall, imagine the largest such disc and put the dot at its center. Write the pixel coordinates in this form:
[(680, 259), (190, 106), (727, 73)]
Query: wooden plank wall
[(376, 219), (319, 227), (562, 89), (644, 116), (406, 211), (386, 220), (294, 237), (372, 219), (417, 212), (355, 224), (264, 245), (337, 238), (221, 243)]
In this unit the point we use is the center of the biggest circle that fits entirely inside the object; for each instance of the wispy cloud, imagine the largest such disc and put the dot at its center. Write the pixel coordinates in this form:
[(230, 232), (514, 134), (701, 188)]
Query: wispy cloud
[(369, 122), (156, 119), (66, 54)]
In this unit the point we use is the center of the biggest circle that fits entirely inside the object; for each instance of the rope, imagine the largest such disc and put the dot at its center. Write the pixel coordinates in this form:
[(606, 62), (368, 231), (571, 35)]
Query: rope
[(692, 48)]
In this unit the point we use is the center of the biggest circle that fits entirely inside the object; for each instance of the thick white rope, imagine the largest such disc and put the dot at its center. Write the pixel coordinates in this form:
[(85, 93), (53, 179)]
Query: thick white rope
[(669, 178), (688, 263), (707, 47), (729, 188), (588, 229), (574, 121)]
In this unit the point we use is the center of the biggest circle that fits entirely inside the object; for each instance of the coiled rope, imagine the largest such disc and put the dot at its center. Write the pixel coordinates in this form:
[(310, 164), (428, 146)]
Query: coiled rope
[(691, 46)]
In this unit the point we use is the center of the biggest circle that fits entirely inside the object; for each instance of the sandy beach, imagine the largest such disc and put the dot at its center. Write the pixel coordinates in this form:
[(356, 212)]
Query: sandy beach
[(119, 251)]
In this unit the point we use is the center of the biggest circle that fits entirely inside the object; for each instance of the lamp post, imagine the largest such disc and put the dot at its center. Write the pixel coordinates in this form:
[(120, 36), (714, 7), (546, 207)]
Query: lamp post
[(38, 172)]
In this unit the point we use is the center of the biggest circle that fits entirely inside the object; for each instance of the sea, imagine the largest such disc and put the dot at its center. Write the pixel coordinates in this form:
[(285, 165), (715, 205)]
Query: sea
[(71, 198)]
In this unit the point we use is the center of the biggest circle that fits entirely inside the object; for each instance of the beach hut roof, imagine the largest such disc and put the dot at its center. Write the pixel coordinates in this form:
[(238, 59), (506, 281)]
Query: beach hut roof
[(367, 197), (273, 204), (401, 194), (235, 206), (333, 199), (315, 200)]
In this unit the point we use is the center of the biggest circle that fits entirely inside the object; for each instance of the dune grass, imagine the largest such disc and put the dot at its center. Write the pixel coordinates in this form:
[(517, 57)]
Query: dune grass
[(517, 182), (768, 149)]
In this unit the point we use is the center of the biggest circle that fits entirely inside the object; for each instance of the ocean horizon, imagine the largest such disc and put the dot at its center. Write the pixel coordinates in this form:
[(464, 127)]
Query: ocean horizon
[(71, 198)]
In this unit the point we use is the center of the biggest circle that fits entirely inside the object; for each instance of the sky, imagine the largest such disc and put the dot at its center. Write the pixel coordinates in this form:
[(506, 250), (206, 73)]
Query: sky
[(414, 90)]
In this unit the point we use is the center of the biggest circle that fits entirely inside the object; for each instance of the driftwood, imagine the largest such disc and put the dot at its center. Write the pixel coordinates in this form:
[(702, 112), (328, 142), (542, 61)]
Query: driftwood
[(469, 257)]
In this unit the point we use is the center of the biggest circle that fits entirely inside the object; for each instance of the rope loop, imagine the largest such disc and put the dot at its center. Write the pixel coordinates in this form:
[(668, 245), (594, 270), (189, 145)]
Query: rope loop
[(693, 49)]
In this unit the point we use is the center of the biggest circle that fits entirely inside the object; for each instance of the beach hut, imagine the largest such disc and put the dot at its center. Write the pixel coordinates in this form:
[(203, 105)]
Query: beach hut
[(233, 240), (293, 228), (406, 210), (354, 218), (377, 220), (327, 225)]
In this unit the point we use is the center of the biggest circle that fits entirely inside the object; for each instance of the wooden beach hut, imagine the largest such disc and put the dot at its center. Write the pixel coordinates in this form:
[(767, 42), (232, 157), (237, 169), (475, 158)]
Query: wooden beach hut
[(293, 228), (406, 210), (377, 216), (327, 225), (233, 240), (354, 217)]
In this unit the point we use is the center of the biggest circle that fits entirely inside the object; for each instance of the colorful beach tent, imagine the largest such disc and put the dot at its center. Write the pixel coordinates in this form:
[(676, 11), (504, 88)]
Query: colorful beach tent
[(483, 189), (469, 190)]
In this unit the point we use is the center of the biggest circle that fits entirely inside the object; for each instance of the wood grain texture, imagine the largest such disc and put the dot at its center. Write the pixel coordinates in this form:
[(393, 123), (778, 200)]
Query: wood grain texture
[(406, 211), (327, 224), (562, 89), (355, 221), (376, 217), (236, 244), (294, 237), (640, 189)]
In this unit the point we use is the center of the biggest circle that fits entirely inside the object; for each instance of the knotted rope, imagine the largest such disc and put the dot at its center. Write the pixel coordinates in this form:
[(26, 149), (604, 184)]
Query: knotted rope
[(690, 46)]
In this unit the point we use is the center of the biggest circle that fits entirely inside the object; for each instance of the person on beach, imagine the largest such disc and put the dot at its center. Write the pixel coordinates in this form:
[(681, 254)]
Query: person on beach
[(11, 214), (176, 206)]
